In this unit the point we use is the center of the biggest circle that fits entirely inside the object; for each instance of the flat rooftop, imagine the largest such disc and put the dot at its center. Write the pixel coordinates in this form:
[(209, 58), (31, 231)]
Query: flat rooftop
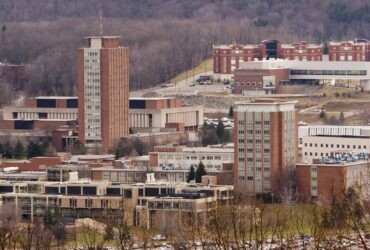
[(56, 97)]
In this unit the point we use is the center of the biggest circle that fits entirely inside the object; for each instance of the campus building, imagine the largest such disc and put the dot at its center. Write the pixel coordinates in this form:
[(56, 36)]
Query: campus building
[(317, 141), (156, 112), (330, 177), (265, 139), (358, 50), (228, 58), (185, 157), (103, 91), (149, 204), (43, 112), (222, 176), (259, 77)]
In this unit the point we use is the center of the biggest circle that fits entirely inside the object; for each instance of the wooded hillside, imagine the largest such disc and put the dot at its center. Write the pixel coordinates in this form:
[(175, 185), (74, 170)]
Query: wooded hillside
[(165, 36)]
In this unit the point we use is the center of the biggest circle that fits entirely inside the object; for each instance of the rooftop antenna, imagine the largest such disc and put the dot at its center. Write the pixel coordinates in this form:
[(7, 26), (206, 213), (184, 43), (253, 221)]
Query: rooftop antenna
[(101, 22)]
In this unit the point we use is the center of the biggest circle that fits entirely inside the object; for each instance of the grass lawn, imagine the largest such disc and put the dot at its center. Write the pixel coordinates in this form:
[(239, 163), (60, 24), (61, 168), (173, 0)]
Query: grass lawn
[(206, 65)]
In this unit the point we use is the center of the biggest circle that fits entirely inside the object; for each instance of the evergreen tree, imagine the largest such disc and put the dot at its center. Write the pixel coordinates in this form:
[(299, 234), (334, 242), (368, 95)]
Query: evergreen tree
[(201, 170), (191, 175), (221, 132), (231, 112), (209, 137), (78, 148), (1, 149), (34, 149), (8, 151), (19, 150)]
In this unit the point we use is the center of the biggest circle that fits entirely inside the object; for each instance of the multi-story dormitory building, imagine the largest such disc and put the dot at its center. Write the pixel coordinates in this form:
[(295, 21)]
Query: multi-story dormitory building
[(227, 58), (152, 201)]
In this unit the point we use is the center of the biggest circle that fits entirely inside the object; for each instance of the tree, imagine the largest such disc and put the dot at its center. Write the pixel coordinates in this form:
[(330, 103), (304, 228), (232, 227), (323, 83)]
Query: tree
[(209, 136), (231, 112), (19, 150), (201, 170), (8, 151), (139, 147), (191, 175), (34, 149), (221, 132), (78, 148), (322, 114)]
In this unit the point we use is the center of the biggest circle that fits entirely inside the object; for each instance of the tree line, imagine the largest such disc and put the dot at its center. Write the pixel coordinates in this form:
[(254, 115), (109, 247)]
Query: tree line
[(19, 151)]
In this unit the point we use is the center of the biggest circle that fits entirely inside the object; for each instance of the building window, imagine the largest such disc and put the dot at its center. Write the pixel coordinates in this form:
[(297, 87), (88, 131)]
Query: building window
[(250, 178), (305, 153), (321, 145), (241, 122), (305, 144), (241, 150), (241, 159), (241, 132), (266, 150), (241, 140), (327, 145), (249, 159)]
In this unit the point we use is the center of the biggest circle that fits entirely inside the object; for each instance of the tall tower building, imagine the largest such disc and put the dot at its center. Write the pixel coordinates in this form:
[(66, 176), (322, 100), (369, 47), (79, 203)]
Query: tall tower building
[(103, 92), (265, 139)]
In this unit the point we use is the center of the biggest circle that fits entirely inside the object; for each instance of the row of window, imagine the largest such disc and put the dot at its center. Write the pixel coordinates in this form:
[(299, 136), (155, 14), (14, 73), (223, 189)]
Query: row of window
[(250, 132), (257, 141), (328, 72), (322, 145), (242, 122), (250, 159)]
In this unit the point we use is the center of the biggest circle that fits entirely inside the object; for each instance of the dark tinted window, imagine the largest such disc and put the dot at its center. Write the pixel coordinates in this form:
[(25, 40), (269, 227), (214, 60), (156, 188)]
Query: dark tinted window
[(89, 190), (46, 103), (72, 103), (51, 190), (137, 104), (6, 189), (74, 190), (23, 124), (140, 192), (152, 192), (113, 191)]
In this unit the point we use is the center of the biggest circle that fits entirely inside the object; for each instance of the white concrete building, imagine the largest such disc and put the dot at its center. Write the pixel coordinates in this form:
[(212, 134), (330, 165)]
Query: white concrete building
[(317, 70), (318, 141), (212, 158)]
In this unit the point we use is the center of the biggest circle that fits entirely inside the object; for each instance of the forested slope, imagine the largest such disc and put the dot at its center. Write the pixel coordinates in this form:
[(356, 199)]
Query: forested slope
[(165, 36)]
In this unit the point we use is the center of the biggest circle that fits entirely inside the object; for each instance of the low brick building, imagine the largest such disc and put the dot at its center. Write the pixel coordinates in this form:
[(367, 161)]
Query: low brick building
[(321, 181)]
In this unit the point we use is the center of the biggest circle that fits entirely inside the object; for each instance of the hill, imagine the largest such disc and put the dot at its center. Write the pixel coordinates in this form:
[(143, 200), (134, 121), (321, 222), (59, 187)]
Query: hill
[(165, 37)]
